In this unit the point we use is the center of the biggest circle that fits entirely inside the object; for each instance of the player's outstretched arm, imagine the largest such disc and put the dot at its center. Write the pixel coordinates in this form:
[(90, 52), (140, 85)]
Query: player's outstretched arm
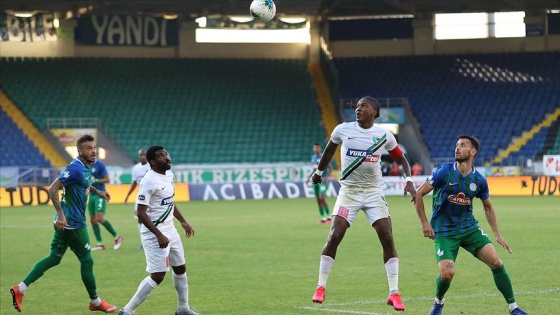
[(326, 158), (493, 222), (189, 231), (53, 194), (163, 241), (423, 190), (132, 187)]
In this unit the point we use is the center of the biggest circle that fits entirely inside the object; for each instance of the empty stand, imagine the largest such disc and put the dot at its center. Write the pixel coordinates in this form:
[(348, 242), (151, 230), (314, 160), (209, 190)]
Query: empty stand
[(495, 97), (17, 149), (202, 111)]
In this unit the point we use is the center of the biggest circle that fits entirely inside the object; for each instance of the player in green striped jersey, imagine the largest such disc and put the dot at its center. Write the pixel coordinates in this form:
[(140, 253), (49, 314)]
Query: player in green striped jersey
[(453, 225), (70, 227)]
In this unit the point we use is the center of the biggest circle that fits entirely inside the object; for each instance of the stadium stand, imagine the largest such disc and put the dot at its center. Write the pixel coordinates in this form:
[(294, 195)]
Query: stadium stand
[(496, 97), (17, 149), (257, 110)]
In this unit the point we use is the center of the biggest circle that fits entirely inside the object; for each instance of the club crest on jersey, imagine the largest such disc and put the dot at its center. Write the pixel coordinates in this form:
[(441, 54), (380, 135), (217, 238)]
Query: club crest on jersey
[(459, 199), (167, 201)]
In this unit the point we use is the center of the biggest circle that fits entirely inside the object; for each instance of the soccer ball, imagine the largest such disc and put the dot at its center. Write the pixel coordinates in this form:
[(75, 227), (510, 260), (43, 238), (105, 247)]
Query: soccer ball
[(263, 10)]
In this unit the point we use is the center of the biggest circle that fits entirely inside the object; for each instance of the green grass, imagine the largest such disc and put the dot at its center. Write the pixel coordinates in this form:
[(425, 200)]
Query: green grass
[(261, 257)]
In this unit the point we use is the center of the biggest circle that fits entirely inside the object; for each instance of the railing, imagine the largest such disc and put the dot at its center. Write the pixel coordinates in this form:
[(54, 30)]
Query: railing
[(29, 176), (87, 122)]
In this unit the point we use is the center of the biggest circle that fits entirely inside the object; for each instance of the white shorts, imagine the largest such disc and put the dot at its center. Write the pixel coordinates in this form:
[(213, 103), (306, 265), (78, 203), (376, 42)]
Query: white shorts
[(351, 200), (159, 259)]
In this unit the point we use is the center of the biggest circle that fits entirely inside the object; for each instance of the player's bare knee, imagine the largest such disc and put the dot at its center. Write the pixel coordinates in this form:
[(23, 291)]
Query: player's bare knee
[(179, 270), (494, 263), (157, 277)]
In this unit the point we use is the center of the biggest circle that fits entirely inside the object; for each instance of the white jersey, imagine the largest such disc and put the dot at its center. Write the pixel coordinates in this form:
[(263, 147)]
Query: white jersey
[(157, 191), (361, 154), (138, 171)]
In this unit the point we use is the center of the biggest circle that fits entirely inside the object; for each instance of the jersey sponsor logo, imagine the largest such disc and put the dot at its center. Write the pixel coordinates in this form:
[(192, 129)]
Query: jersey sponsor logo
[(358, 153), (367, 155), (459, 199), (167, 201), (141, 197)]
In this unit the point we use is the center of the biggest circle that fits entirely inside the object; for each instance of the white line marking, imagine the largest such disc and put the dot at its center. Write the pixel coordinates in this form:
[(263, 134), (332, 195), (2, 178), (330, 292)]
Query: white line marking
[(340, 311), (420, 298)]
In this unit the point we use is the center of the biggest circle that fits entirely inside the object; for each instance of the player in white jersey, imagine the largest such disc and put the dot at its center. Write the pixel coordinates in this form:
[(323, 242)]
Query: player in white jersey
[(362, 189), (138, 172), (161, 241)]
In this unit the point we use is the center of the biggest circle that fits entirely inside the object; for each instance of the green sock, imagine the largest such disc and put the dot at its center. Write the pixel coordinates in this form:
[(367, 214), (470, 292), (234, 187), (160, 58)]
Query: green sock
[(41, 267), (503, 283), (110, 228), (97, 233), (321, 212), (87, 276), (441, 287), (326, 211)]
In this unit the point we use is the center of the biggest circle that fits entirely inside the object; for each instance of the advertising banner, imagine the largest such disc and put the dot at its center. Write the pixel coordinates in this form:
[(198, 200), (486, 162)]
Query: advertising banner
[(68, 136), (127, 30), (36, 28), (39, 195), (226, 173), (551, 165)]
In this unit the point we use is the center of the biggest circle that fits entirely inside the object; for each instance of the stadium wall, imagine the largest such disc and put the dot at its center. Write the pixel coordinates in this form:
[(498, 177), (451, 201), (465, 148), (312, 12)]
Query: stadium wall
[(536, 186), (423, 43)]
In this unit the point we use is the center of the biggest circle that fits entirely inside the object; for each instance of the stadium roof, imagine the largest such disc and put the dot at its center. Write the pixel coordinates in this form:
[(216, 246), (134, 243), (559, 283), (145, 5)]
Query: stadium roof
[(333, 8)]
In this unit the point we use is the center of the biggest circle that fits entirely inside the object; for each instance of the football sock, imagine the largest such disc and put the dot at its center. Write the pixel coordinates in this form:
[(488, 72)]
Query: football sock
[(144, 289), (326, 209), (512, 306), (503, 283), (321, 212), (324, 270), (97, 233), (96, 301), (86, 269), (392, 269), (110, 228), (40, 268), (22, 287), (182, 289), (441, 287)]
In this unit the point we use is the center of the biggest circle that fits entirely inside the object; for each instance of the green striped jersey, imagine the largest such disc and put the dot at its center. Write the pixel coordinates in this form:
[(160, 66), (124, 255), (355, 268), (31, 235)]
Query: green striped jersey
[(361, 154), (452, 199), (76, 179)]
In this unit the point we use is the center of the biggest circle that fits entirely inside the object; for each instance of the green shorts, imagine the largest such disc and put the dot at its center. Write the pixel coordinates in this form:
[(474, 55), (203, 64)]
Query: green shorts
[(96, 204), (320, 189), (76, 239), (447, 247)]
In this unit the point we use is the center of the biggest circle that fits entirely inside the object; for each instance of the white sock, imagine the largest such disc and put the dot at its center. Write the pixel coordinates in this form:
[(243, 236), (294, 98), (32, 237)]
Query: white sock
[(182, 288), (438, 301), (324, 270), (96, 301), (22, 287), (144, 289), (512, 306), (392, 269)]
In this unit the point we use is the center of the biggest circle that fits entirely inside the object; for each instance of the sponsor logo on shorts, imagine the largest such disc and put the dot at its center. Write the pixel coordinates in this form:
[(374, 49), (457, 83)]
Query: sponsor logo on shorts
[(440, 252), (342, 212)]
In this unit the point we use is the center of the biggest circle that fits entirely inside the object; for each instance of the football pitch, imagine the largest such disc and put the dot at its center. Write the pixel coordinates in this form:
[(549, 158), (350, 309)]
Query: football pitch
[(262, 257)]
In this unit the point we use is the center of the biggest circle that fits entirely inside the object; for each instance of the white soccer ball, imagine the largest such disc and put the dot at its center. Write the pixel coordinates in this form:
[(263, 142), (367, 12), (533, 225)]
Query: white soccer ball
[(263, 10)]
